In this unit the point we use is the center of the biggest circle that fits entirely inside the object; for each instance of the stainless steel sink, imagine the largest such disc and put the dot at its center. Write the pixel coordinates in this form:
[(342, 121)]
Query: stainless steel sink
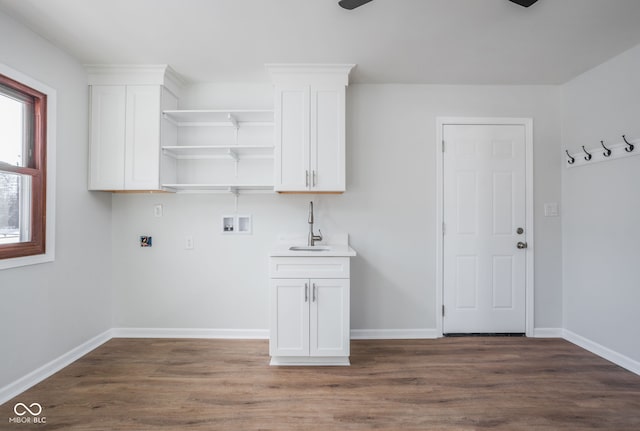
[(309, 248)]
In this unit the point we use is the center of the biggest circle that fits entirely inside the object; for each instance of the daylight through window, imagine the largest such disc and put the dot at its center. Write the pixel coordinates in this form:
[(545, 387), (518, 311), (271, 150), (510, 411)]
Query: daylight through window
[(22, 169)]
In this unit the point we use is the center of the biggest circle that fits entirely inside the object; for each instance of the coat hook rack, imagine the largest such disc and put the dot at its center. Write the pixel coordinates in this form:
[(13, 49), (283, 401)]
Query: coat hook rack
[(630, 146), (603, 153), (571, 160)]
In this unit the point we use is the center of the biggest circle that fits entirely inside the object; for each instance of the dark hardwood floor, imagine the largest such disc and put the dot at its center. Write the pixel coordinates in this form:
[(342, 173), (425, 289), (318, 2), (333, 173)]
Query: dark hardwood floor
[(445, 384)]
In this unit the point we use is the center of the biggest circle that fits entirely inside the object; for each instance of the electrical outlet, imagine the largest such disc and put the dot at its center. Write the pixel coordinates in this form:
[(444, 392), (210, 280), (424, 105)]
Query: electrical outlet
[(157, 210), (551, 209), (188, 242)]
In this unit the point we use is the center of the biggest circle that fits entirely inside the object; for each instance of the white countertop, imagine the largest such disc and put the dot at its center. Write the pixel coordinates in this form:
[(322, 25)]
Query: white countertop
[(338, 247), (335, 250)]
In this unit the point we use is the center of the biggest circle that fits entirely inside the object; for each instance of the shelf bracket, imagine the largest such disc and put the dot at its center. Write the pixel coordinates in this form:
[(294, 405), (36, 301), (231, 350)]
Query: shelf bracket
[(169, 119), (169, 153), (233, 121), (231, 153)]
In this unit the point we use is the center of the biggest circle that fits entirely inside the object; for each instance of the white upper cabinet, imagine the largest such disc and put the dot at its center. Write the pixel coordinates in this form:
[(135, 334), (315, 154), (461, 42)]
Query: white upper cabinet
[(292, 138), (327, 139), (310, 127), (126, 126), (107, 135), (142, 138)]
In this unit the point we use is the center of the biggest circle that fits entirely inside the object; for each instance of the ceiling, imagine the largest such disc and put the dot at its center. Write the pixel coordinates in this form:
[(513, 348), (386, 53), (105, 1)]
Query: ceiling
[(392, 41)]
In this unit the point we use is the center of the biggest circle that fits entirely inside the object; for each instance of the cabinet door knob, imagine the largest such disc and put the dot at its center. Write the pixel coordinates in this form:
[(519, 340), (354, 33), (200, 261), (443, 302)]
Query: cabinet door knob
[(314, 292), (306, 292), (522, 245), (314, 178)]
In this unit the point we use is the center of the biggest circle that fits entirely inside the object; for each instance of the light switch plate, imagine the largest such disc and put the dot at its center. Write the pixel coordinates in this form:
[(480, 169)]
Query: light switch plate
[(157, 210)]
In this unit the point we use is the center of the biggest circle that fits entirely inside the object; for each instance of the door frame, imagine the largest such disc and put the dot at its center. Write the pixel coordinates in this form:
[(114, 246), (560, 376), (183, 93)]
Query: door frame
[(529, 286)]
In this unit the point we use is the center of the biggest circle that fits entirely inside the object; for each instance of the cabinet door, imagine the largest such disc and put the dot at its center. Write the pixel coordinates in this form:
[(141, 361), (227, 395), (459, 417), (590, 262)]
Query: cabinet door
[(328, 139), (106, 137), (142, 143), (330, 326), (292, 172), (289, 331)]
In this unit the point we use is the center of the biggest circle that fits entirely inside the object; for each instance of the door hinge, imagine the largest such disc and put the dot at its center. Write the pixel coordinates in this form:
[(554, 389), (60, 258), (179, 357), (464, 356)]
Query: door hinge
[(443, 145), (442, 310), (443, 228)]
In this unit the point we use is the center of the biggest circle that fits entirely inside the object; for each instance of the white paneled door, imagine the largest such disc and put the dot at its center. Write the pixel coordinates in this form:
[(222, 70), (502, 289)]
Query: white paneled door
[(484, 213)]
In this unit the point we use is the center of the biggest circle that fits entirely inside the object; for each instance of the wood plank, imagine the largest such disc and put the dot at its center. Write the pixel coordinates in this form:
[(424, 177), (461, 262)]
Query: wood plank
[(445, 384)]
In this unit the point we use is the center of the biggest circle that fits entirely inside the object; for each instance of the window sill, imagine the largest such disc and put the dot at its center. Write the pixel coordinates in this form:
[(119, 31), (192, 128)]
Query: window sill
[(26, 260)]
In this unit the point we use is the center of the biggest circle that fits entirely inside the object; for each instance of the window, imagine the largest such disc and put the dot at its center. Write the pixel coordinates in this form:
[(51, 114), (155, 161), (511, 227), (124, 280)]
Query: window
[(23, 177)]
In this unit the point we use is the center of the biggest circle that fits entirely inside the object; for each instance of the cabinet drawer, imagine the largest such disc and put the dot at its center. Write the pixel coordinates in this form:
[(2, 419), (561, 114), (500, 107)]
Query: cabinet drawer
[(309, 267)]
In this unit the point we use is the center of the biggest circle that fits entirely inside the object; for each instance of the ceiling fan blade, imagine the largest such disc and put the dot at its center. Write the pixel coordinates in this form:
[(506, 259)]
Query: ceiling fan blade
[(525, 3), (352, 4)]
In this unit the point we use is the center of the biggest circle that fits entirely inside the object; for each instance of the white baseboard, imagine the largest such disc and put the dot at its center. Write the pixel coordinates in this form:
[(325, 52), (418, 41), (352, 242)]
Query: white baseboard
[(263, 334), (602, 351), (22, 384), (392, 334), (548, 332), (243, 334)]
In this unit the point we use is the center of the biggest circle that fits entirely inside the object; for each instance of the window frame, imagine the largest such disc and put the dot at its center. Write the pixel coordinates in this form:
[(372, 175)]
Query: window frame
[(38, 174), (41, 247)]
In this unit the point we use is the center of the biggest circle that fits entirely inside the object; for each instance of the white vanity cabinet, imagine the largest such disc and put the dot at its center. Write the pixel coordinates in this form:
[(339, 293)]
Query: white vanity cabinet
[(126, 126), (310, 311), (310, 127)]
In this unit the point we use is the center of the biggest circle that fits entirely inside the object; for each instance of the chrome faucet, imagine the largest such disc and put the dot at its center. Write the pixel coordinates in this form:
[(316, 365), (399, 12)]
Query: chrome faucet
[(312, 238)]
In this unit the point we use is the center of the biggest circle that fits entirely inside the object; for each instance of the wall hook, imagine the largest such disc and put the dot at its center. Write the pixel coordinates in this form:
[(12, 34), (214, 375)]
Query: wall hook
[(607, 152), (588, 155), (571, 160), (630, 145)]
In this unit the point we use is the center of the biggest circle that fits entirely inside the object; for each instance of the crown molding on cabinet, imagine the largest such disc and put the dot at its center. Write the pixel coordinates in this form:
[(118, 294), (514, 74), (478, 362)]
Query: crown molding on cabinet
[(143, 74), (333, 74)]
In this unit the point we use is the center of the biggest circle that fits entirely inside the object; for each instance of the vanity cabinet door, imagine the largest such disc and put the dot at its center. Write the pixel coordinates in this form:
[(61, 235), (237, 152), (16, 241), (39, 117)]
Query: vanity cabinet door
[(289, 333), (329, 317)]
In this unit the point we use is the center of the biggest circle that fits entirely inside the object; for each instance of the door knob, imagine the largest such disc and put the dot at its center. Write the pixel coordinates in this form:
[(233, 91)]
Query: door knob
[(522, 245)]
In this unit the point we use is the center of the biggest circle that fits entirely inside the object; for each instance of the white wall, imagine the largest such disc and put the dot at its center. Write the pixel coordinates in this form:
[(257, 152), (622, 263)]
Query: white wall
[(48, 309), (602, 208), (388, 209)]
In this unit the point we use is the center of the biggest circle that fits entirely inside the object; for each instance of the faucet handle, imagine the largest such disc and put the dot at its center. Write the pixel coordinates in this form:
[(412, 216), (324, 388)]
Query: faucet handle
[(319, 235)]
